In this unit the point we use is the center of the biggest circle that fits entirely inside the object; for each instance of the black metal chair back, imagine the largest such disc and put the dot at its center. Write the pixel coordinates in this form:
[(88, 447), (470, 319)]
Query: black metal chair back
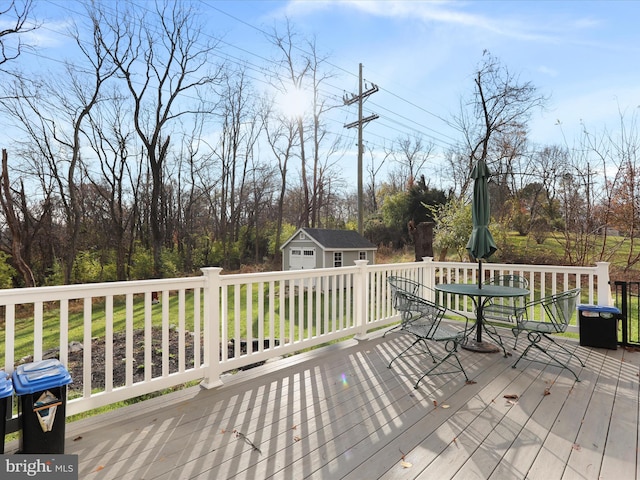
[(505, 309), (509, 281), (422, 319), (552, 314), (399, 286)]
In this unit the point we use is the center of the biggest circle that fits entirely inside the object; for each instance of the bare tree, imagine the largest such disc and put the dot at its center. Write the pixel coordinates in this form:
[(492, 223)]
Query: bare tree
[(281, 135), (164, 59), (240, 129), (499, 109), (197, 177), (410, 154), (372, 186), (261, 192), (290, 75), (15, 226), (569, 177), (117, 183), (532, 206), (301, 68), (16, 15), (615, 196), (53, 111), (324, 149)]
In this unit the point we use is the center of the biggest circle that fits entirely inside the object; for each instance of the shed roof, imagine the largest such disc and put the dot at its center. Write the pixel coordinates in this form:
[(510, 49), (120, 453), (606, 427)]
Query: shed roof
[(333, 239)]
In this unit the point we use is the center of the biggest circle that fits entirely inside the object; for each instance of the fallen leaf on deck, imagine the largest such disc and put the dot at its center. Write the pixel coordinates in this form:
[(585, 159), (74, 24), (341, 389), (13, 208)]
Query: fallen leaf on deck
[(444, 405), (575, 446), (511, 403), (405, 464), (100, 467), (296, 439), (512, 396), (547, 392), (77, 438), (470, 382), (244, 438), (435, 403), (294, 427)]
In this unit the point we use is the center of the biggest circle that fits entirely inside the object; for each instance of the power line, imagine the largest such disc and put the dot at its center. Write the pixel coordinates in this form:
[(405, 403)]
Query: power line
[(254, 63)]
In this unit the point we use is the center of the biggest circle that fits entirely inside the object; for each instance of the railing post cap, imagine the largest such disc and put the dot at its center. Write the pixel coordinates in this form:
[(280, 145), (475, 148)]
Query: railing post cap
[(211, 270)]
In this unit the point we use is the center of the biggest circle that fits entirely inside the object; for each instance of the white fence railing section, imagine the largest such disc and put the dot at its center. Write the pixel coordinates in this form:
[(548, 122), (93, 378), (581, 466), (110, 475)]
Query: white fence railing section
[(201, 327)]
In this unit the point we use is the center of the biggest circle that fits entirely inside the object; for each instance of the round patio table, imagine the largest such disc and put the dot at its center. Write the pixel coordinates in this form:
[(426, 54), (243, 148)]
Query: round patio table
[(479, 295)]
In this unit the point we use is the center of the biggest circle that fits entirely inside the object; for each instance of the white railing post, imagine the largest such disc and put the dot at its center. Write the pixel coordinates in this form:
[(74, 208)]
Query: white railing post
[(428, 276), (212, 328), (604, 289), (361, 288)]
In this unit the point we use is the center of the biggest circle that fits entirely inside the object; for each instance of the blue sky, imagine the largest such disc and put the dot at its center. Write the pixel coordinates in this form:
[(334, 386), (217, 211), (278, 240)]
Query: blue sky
[(422, 55), (584, 55)]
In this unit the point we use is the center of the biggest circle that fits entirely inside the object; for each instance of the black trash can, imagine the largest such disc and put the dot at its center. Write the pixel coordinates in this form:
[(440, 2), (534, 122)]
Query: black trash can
[(42, 391), (598, 326), (6, 392)]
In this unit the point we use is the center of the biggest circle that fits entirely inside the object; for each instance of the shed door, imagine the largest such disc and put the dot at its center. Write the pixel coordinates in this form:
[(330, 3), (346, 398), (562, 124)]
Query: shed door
[(302, 258)]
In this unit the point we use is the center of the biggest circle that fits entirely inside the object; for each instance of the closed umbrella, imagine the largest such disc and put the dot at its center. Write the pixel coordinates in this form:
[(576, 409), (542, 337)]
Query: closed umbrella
[(481, 244)]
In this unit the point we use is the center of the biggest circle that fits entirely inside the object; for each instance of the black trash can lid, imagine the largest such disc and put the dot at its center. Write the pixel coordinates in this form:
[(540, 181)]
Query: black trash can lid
[(6, 387), (599, 308), (38, 376)]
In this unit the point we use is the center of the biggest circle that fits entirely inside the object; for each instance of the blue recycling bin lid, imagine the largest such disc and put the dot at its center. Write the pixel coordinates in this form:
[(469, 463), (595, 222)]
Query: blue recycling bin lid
[(38, 376), (599, 308), (6, 387)]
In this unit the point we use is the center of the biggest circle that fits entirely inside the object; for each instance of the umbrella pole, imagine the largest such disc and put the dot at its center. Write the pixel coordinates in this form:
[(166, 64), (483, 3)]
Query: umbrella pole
[(478, 345), (479, 305)]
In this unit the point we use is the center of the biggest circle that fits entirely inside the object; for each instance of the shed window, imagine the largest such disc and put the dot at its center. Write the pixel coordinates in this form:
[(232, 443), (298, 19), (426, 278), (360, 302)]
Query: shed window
[(297, 252), (362, 255), (309, 253), (337, 259)]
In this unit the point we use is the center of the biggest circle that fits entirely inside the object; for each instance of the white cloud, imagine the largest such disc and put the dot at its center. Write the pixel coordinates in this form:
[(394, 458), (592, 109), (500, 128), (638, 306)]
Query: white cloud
[(531, 26)]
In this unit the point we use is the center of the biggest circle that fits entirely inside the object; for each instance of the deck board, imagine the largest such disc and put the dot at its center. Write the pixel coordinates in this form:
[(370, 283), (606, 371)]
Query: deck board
[(340, 413)]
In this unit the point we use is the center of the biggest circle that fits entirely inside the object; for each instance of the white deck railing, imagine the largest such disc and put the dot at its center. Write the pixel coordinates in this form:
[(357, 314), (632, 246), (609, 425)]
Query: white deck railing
[(232, 321)]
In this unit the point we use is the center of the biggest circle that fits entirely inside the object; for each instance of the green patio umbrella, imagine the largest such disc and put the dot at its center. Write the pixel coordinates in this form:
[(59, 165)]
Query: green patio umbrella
[(481, 244)]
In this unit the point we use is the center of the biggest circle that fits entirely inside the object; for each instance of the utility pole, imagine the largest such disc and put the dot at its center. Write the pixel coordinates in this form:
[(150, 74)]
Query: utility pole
[(362, 94)]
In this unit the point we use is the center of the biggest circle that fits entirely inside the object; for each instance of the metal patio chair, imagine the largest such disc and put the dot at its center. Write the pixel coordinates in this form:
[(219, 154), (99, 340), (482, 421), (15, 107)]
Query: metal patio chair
[(558, 310), (422, 319), (505, 309), (402, 284)]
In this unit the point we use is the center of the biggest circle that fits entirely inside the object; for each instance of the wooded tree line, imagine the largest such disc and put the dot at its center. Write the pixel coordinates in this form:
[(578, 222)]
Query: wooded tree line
[(153, 155)]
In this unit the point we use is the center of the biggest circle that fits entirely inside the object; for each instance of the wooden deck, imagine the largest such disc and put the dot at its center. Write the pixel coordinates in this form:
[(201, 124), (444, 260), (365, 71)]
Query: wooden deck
[(340, 413)]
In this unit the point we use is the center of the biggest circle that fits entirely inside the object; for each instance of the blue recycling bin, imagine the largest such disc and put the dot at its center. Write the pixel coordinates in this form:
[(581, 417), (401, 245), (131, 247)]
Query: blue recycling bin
[(598, 326), (42, 391), (6, 392)]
